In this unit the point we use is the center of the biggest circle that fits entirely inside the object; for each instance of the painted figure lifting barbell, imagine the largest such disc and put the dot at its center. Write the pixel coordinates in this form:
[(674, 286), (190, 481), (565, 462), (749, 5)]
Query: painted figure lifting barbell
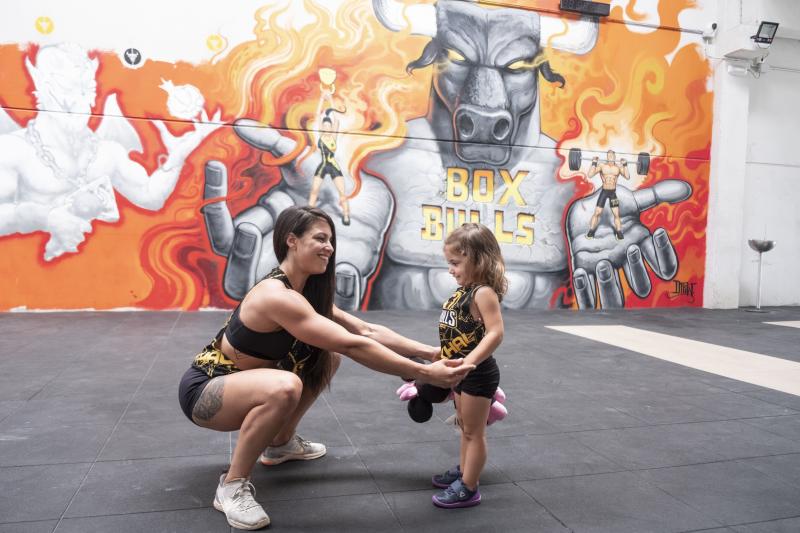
[(610, 171)]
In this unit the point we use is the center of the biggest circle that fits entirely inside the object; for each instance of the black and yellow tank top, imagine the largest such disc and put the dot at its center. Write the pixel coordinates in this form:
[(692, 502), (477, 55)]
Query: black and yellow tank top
[(328, 149), (459, 332), (280, 345), (271, 345)]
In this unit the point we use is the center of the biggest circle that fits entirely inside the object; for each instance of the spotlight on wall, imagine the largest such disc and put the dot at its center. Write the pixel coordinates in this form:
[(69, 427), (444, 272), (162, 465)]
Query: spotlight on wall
[(751, 59), (766, 32), (739, 70), (585, 7)]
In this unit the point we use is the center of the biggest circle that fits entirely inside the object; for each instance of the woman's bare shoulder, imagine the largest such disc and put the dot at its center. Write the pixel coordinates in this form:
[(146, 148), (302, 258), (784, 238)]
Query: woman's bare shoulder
[(270, 299)]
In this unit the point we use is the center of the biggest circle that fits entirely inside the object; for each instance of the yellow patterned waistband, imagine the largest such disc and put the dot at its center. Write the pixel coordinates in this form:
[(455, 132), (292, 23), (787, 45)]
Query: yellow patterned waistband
[(213, 362)]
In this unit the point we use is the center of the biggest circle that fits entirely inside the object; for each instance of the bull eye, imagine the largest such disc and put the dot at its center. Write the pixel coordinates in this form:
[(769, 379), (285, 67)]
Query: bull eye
[(455, 56), (519, 65)]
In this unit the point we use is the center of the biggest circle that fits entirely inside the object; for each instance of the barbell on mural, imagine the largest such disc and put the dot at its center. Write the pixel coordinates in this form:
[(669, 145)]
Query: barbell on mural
[(642, 162)]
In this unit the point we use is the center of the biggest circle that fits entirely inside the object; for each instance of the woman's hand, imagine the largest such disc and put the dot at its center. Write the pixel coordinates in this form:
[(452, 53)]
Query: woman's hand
[(446, 372), (434, 353)]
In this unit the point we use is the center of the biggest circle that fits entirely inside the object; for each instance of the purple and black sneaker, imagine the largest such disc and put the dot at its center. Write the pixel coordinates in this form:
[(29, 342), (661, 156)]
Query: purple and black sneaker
[(457, 495), (442, 481)]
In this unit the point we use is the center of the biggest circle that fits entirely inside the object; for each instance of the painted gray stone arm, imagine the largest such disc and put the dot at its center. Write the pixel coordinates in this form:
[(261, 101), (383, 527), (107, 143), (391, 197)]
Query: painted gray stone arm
[(596, 262), (246, 239)]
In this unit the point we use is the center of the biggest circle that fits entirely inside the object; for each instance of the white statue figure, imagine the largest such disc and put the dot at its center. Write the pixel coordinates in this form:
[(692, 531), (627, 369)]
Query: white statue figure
[(58, 176)]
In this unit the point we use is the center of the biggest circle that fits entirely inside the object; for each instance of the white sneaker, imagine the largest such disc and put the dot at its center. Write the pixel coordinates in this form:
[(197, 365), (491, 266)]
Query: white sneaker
[(236, 500), (296, 449)]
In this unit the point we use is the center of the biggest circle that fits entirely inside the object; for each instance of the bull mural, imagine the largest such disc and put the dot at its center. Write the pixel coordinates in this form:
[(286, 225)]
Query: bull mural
[(478, 155)]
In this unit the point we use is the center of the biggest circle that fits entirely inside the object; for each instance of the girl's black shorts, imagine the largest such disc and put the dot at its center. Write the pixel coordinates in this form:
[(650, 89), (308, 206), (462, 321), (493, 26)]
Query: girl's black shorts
[(483, 381)]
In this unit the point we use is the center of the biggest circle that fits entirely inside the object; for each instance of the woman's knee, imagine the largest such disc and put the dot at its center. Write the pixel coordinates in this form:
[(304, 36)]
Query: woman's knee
[(286, 391)]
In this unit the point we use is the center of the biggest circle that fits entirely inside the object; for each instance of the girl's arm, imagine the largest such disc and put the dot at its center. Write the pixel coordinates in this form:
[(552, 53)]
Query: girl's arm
[(389, 338), (489, 309)]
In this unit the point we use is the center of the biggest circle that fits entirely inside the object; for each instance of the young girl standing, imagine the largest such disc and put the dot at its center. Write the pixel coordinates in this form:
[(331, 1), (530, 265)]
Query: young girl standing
[(471, 327)]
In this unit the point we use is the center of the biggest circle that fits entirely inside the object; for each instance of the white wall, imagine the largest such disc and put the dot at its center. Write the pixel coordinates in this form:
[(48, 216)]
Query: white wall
[(177, 32), (755, 161), (772, 182)]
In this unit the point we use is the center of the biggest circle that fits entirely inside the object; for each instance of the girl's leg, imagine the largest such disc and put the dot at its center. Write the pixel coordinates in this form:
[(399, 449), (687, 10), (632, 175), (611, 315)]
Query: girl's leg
[(472, 413), (463, 450), (255, 402), (315, 185)]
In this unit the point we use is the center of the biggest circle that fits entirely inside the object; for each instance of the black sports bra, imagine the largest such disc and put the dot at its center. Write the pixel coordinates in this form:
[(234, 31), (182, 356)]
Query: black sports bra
[(271, 345)]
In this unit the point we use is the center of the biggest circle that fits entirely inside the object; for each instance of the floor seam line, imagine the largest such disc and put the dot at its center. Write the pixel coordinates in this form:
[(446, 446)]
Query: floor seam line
[(103, 447)]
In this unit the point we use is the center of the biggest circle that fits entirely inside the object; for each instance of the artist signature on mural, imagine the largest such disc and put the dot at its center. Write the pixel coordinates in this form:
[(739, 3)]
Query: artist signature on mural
[(682, 288)]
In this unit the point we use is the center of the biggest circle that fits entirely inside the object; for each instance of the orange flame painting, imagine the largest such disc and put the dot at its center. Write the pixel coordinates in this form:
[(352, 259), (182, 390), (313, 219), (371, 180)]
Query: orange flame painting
[(430, 130)]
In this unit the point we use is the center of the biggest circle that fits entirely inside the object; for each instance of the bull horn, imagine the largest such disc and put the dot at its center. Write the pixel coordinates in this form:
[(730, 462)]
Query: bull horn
[(419, 19), (579, 38)]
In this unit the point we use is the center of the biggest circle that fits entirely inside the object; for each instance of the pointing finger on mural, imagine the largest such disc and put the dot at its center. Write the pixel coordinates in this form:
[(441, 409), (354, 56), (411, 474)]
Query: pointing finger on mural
[(263, 137), (240, 270), (670, 191), (219, 223), (260, 136)]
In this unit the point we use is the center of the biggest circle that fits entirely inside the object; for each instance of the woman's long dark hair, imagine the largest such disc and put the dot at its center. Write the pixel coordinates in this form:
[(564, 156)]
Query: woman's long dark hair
[(319, 289)]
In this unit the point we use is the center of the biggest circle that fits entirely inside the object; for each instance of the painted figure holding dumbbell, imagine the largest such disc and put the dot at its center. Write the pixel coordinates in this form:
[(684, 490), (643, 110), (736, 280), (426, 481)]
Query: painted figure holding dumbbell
[(610, 171)]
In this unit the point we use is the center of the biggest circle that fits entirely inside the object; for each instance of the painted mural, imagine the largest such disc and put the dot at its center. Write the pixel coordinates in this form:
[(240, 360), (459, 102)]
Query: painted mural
[(584, 144)]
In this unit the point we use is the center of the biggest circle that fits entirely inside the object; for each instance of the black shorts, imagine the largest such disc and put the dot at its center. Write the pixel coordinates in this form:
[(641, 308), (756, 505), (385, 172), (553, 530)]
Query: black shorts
[(607, 194), (192, 384), (483, 381), (328, 169)]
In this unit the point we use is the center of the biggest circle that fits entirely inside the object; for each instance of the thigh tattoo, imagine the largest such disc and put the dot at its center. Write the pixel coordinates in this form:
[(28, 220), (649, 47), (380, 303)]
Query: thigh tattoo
[(210, 401)]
